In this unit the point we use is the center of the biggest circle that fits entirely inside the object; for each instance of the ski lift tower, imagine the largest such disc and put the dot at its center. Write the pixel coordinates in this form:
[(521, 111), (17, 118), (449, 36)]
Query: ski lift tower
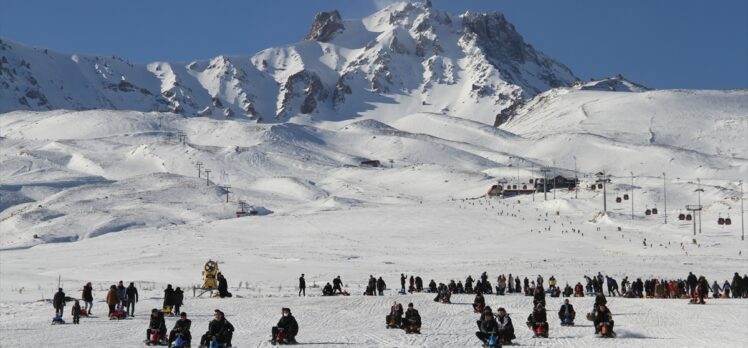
[(699, 191), (693, 209), (604, 179)]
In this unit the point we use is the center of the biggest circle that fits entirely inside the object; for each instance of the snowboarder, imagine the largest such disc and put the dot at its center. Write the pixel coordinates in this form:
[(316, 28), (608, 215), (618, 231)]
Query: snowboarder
[(87, 296), (412, 323), (131, 294), (76, 312), (286, 330), (302, 285), (181, 329), (567, 314), (395, 318), (219, 330), (157, 326), (58, 302), (506, 328), (223, 286)]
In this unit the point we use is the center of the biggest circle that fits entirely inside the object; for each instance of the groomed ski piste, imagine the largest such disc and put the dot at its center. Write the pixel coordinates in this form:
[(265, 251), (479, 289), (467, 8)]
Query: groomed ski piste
[(113, 197)]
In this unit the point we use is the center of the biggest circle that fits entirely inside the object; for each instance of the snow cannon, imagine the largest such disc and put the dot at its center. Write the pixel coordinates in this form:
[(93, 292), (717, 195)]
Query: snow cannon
[(210, 271)]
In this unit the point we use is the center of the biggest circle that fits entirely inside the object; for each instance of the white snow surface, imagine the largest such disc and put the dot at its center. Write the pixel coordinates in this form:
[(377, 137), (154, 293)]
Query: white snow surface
[(106, 195)]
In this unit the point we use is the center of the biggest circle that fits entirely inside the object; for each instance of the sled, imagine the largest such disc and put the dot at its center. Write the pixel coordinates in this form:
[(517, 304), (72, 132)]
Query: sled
[(344, 293), (58, 321), (605, 331)]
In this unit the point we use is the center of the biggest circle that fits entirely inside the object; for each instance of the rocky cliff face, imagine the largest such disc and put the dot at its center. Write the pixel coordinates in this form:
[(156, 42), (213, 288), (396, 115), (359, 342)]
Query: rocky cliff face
[(408, 57)]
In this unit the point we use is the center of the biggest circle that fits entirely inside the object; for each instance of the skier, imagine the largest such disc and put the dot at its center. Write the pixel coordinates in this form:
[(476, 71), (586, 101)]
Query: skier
[(537, 321), (381, 286), (178, 300), (479, 302), (488, 327), (223, 286), (506, 328), (87, 296), (181, 329), (337, 284), (156, 324), (112, 299), (168, 298), (395, 318), (286, 330), (566, 313), (131, 294), (76, 312), (327, 290), (219, 330), (58, 302), (302, 285)]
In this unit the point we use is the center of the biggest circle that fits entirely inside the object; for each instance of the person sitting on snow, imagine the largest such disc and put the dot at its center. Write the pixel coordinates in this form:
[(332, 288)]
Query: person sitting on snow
[(181, 328), (566, 313), (219, 329), (603, 316), (286, 329), (479, 302), (157, 324), (395, 318), (538, 317), (506, 328), (488, 327), (412, 323), (327, 290)]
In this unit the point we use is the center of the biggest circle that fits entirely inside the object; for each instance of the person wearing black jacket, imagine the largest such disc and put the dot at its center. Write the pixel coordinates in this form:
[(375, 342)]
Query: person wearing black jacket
[(538, 317), (87, 296), (381, 286), (566, 313), (59, 302), (181, 328), (327, 290), (337, 284), (603, 316), (302, 285), (402, 282), (506, 328), (479, 302), (223, 286), (157, 323), (419, 284), (488, 327), (169, 297), (691, 280), (178, 300), (412, 323), (131, 293), (220, 329), (287, 326)]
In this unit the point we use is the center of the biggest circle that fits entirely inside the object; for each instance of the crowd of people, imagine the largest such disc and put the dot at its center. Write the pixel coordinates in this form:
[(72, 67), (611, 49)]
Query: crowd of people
[(493, 329)]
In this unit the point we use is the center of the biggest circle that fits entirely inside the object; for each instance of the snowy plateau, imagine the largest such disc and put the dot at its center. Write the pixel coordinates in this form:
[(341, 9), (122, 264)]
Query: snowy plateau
[(103, 178)]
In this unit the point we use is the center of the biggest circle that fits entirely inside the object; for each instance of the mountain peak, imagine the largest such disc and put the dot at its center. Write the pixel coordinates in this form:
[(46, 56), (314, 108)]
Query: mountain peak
[(324, 26)]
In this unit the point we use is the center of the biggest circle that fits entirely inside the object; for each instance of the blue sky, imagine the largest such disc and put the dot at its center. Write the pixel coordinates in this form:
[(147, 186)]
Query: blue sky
[(659, 43)]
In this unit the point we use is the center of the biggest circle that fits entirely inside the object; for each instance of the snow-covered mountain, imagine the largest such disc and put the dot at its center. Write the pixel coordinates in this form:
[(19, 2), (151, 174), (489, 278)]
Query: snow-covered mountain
[(422, 59)]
